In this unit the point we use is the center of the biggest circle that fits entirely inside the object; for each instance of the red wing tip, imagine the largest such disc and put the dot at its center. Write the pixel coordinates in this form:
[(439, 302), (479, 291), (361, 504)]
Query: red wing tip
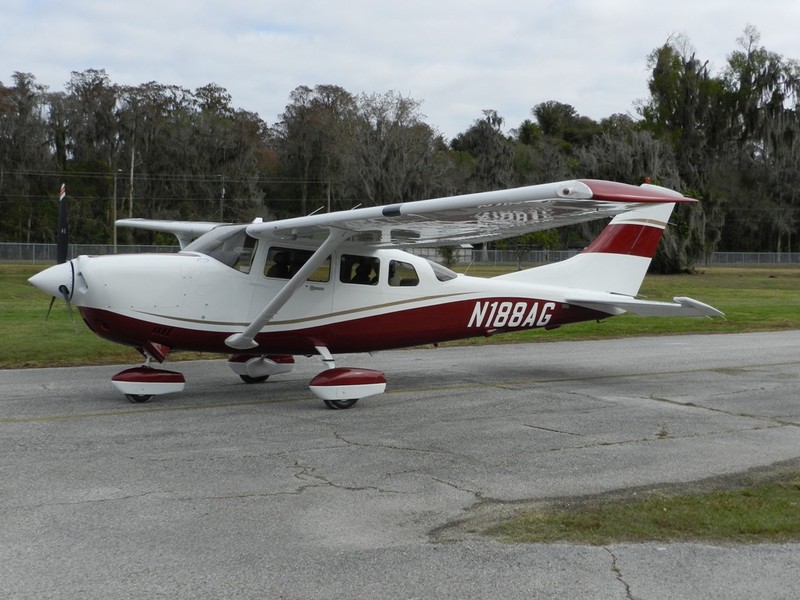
[(613, 191)]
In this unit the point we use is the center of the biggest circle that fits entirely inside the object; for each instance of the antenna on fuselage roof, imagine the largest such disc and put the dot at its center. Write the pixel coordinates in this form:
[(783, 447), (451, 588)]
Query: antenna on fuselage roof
[(472, 256), (315, 211)]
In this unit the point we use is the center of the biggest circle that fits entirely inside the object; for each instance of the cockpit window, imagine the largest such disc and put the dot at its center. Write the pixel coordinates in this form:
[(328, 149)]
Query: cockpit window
[(229, 244), (363, 270)]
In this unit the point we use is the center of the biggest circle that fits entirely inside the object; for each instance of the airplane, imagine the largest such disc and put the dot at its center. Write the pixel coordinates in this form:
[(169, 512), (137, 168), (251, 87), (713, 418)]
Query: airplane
[(344, 282)]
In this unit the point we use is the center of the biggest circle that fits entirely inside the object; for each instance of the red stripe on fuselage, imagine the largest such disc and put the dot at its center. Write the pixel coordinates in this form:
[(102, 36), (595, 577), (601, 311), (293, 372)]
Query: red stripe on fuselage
[(385, 331), (627, 238)]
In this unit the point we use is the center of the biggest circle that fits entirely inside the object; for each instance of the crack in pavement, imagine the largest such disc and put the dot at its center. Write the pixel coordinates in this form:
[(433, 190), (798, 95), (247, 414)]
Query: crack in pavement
[(778, 421), (307, 472), (617, 572), (348, 442)]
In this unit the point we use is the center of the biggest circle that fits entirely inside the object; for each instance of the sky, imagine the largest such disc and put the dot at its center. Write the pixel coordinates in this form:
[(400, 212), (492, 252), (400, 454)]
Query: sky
[(456, 57)]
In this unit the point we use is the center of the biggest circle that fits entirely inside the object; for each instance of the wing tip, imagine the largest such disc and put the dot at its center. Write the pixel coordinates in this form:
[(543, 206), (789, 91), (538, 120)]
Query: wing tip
[(614, 191)]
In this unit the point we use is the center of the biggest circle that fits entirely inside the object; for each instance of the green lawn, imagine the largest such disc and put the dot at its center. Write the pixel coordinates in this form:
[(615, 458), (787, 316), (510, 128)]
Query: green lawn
[(764, 512), (757, 299)]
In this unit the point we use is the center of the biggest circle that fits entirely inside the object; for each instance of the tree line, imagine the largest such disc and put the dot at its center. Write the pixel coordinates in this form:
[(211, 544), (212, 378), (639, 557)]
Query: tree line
[(730, 139)]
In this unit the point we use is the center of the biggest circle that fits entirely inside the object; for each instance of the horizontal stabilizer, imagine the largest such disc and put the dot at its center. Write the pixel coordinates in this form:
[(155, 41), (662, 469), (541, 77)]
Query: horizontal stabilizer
[(615, 305)]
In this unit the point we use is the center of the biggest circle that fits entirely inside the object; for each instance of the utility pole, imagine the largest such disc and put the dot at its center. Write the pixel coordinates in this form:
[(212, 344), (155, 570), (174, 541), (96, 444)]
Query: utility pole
[(222, 199), (130, 189), (114, 208)]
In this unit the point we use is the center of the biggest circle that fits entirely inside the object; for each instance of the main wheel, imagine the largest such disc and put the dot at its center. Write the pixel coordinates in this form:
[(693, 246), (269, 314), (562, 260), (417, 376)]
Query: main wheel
[(340, 404), (248, 379), (138, 398)]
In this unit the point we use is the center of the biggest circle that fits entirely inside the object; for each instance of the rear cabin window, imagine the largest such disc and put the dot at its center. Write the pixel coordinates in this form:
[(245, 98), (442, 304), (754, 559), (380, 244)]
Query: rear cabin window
[(402, 274), (283, 263), (362, 270)]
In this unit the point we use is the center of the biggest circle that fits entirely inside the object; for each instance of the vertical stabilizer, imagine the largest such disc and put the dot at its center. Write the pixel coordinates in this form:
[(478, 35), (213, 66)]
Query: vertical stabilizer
[(616, 262)]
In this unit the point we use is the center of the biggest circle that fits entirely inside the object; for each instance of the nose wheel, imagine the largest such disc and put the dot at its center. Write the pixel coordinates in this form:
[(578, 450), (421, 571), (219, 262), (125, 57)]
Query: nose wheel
[(140, 384)]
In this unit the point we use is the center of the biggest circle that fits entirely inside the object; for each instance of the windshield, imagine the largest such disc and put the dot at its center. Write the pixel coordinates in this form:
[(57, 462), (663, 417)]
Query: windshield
[(229, 244), (442, 273)]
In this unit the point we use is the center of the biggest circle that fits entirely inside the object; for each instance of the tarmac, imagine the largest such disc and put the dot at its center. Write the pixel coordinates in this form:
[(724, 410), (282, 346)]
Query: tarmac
[(229, 490)]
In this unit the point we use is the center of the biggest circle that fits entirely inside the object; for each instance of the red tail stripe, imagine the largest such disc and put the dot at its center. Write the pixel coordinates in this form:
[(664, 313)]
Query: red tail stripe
[(637, 240)]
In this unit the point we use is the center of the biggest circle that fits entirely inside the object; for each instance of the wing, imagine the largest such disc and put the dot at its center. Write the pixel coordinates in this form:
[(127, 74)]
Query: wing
[(473, 218), (185, 231)]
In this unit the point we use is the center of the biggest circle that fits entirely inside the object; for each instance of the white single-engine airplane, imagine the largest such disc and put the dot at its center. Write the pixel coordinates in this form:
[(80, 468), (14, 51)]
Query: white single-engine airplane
[(338, 282)]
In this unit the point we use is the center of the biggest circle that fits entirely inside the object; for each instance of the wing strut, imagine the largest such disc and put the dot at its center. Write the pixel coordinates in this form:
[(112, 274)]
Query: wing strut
[(245, 340)]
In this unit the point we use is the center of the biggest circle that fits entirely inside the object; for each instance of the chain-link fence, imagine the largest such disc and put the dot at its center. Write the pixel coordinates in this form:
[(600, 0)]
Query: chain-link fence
[(46, 253)]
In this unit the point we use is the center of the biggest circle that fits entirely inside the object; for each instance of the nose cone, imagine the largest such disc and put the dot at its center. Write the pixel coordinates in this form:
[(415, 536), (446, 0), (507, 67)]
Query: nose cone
[(55, 281)]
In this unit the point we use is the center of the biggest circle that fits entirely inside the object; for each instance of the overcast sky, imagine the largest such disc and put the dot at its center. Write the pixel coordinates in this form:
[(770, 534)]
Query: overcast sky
[(458, 57)]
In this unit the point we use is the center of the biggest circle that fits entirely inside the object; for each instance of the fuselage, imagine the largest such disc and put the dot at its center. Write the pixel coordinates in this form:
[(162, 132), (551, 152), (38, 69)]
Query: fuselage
[(358, 300)]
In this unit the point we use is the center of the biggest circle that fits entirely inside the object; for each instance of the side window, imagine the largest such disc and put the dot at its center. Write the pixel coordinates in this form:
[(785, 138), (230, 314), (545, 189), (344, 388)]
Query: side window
[(363, 270), (402, 273), (283, 263)]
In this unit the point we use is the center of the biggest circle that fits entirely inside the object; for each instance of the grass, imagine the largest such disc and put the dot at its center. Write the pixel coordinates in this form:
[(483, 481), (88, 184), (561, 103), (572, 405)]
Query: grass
[(754, 299), (765, 512)]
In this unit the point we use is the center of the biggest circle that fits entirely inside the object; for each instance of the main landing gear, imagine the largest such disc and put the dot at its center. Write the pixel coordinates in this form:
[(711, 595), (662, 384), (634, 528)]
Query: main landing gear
[(338, 388), (341, 388)]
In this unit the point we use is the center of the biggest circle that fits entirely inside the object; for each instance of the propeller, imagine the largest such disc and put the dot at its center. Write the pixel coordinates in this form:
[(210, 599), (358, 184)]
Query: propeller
[(62, 247)]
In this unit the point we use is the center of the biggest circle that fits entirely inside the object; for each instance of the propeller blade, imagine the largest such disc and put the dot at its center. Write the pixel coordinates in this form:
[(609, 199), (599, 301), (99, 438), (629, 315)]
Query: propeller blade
[(62, 235), (52, 300)]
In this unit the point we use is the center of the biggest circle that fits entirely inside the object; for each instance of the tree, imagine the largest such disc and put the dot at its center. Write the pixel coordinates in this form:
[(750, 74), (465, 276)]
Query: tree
[(685, 108), (310, 136), (391, 153), (561, 121), (766, 93), (25, 209), (490, 151)]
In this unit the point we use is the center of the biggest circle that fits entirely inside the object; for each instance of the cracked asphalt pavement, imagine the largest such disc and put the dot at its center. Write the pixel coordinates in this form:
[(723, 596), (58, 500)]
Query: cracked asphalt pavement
[(229, 490)]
